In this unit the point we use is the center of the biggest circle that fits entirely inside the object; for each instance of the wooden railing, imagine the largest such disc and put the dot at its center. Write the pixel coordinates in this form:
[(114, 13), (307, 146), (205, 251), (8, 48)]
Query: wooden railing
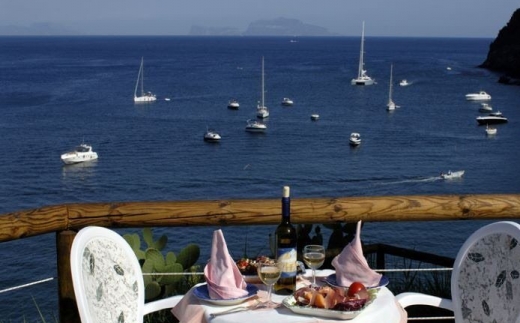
[(66, 219)]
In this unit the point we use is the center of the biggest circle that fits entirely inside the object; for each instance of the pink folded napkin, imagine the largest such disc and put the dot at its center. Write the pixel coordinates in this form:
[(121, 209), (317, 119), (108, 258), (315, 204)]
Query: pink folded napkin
[(222, 274), (351, 265)]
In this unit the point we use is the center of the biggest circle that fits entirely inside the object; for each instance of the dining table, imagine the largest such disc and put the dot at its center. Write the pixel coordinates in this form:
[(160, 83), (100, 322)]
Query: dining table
[(192, 309)]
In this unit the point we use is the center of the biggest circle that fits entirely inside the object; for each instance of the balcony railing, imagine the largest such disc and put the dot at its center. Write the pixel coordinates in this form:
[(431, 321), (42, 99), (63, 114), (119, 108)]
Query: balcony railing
[(66, 219)]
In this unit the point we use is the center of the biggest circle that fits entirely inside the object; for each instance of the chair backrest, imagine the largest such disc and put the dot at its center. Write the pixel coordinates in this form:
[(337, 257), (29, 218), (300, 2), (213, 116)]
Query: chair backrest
[(485, 282), (107, 277)]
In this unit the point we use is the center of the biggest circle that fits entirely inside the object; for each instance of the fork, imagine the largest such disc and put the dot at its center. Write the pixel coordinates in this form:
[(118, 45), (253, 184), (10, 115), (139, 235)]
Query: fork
[(236, 309)]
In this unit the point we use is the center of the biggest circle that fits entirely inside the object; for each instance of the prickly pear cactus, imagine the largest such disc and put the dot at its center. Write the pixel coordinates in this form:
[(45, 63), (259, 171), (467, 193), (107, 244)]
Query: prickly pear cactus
[(163, 280)]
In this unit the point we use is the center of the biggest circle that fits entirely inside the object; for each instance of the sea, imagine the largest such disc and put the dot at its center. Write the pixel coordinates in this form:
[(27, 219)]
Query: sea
[(58, 92)]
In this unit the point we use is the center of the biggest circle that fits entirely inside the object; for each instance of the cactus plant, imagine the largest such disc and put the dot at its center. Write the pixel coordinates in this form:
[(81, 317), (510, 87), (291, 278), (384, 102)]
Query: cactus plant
[(163, 280)]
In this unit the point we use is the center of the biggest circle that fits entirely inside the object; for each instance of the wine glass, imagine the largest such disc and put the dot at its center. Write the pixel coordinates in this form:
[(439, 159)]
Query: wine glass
[(314, 257), (269, 272)]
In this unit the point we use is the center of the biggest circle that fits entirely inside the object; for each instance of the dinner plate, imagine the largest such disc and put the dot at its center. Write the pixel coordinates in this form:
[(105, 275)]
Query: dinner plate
[(202, 293), (290, 303), (331, 280)]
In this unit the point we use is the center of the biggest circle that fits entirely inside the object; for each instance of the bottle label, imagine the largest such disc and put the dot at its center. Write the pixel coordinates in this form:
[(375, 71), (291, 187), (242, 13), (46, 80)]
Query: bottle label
[(287, 261)]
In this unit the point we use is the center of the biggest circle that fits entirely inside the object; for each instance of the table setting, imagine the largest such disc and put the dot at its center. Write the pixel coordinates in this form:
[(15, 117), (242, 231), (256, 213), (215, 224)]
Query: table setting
[(320, 296)]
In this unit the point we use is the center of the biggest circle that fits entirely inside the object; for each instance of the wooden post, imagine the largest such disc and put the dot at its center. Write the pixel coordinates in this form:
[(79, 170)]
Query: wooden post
[(66, 299)]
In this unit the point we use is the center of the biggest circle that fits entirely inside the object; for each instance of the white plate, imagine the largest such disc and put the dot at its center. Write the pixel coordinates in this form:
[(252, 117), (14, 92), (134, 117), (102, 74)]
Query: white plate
[(331, 280), (202, 293), (290, 303)]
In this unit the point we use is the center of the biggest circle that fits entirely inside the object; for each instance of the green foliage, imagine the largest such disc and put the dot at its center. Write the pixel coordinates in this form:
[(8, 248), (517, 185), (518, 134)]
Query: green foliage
[(163, 274)]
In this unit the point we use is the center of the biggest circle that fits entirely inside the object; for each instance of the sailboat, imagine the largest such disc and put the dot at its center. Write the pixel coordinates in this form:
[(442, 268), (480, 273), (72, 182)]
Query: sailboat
[(363, 78), (261, 109), (144, 97), (391, 106)]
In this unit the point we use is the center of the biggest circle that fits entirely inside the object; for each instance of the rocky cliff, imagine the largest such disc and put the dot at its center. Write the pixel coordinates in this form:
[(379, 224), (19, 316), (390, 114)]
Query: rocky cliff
[(504, 51)]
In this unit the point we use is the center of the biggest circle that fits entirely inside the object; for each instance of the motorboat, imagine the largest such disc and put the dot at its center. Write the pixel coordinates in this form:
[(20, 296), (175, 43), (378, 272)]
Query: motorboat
[(81, 153), (255, 126), (391, 106), (404, 83), (261, 110), (484, 107), (480, 96), (287, 102), (492, 118), (143, 96), (233, 104), (315, 116), (211, 136), (490, 130), (452, 175), (355, 139), (362, 78)]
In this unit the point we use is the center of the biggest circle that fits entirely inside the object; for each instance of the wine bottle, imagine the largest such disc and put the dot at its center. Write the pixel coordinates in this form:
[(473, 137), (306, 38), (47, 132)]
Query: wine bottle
[(286, 241)]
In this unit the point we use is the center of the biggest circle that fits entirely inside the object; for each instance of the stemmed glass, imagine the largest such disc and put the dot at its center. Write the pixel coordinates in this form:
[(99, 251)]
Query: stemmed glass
[(269, 272), (314, 257)]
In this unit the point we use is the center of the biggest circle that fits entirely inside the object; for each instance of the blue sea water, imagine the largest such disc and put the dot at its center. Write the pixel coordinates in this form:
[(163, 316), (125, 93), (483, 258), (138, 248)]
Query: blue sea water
[(59, 91)]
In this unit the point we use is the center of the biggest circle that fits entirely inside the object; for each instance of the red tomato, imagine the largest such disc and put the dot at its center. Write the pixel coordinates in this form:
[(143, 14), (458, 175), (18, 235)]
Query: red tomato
[(356, 288)]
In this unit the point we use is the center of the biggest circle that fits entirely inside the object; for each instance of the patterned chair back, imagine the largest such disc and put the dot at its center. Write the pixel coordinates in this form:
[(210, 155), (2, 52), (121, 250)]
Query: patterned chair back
[(107, 278), (485, 282)]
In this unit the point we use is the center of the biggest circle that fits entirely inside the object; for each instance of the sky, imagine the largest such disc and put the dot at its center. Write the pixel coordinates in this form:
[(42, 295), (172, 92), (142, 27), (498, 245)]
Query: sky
[(400, 18)]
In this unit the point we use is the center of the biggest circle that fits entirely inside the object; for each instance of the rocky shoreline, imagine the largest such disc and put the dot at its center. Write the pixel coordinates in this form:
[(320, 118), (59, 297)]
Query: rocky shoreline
[(504, 52)]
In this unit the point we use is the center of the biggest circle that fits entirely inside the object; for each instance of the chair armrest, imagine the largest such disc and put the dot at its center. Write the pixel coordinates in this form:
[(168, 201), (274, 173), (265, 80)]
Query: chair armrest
[(408, 299), (161, 304)]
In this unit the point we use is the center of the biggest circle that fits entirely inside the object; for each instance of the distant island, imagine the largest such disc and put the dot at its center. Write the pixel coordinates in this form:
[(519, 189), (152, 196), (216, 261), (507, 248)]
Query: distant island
[(504, 52), (273, 27)]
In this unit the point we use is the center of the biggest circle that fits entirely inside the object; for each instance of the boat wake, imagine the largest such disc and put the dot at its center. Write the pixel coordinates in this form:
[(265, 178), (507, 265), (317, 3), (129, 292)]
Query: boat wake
[(413, 180)]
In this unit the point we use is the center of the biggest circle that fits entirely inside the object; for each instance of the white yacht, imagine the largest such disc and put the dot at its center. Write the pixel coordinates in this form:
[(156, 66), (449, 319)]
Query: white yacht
[(287, 102), (261, 110), (480, 96), (80, 154), (404, 83), (492, 118), (212, 136), (315, 116), (355, 139), (233, 104), (362, 78), (255, 126), (484, 107), (142, 97)]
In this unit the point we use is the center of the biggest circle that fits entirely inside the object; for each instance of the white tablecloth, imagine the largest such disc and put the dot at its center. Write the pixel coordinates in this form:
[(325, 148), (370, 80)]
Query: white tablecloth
[(383, 309)]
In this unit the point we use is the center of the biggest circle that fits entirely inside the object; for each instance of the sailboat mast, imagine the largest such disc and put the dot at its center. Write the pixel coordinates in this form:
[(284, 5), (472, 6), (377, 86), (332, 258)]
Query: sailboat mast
[(391, 83), (360, 70), (142, 77), (263, 82)]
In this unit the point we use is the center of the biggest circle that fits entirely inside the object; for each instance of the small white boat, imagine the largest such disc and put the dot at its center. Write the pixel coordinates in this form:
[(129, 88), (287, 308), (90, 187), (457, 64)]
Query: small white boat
[(143, 97), (490, 130), (211, 136), (81, 153), (480, 96), (287, 102), (255, 126), (404, 83), (484, 107), (315, 116), (233, 104), (355, 139), (452, 175), (362, 78)]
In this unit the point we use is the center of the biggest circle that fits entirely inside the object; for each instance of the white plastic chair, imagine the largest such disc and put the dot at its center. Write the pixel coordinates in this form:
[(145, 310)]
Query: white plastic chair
[(107, 279), (485, 282)]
